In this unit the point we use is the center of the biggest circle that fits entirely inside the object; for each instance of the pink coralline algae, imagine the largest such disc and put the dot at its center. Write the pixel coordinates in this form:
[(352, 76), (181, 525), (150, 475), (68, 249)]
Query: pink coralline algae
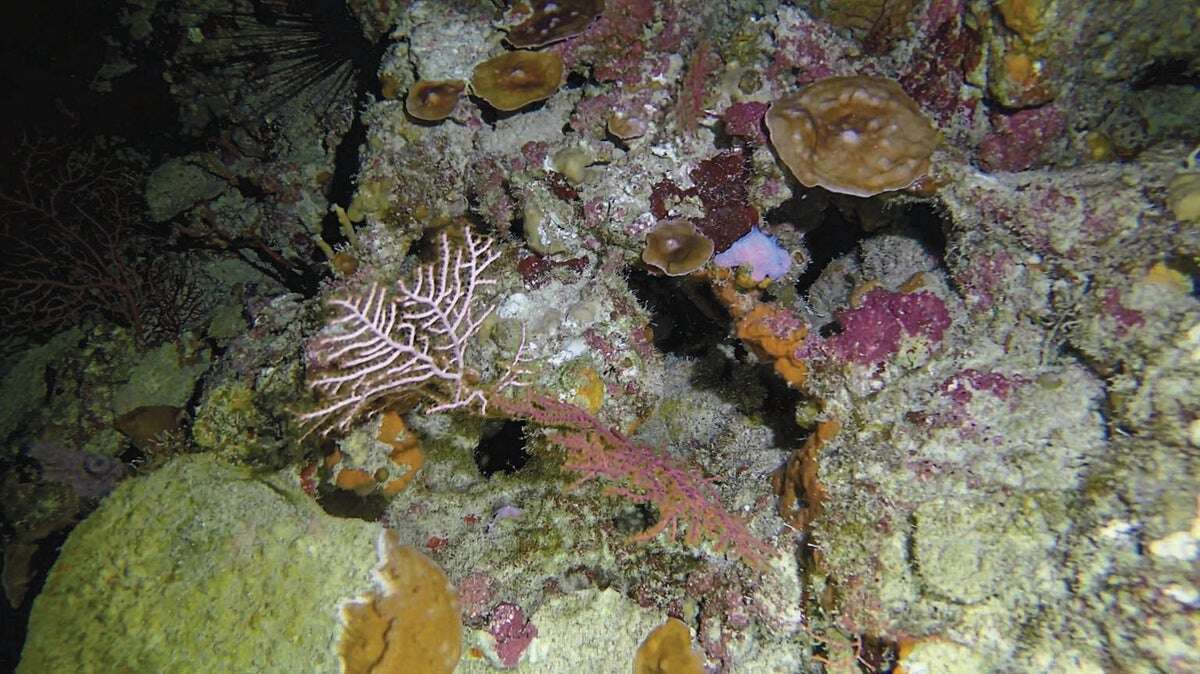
[(1124, 317), (962, 387), (872, 333), (745, 120), (941, 12), (488, 186), (936, 75), (475, 594), (720, 185), (1021, 139), (689, 108), (90, 475), (513, 632), (985, 279), (805, 51), (611, 43)]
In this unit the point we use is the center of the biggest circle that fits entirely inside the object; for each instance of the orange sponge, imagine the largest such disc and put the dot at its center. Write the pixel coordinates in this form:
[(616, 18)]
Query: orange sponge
[(774, 333), (406, 451)]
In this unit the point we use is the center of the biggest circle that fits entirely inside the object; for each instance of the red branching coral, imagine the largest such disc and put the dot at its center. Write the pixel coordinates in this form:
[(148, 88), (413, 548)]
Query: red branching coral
[(75, 245), (688, 504)]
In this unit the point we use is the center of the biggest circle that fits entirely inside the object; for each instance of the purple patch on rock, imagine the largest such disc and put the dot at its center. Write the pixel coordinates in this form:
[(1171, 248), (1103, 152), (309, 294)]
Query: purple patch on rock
[(1125, 317), (1019, 140), (745, 120), (513, 632), (90, 475), (872, 333), (962, 386)]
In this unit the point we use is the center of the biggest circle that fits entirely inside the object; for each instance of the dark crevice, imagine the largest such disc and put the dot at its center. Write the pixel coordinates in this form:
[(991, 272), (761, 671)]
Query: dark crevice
[(838, 235), (347, 504), (1167, 73), (689, 322), (502, 449), (491, 115), (834, 237), (686, 318), (928, 224), (516, 230), (342, 185), (575, 80)]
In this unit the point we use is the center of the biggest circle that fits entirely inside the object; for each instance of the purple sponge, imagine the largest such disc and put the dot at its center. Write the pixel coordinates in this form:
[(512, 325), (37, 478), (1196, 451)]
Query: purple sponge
[(758, 252)]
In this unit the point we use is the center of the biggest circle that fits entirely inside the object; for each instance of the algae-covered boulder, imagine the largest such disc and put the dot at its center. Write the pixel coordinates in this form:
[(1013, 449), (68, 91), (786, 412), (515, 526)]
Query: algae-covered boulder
[(200, 567)]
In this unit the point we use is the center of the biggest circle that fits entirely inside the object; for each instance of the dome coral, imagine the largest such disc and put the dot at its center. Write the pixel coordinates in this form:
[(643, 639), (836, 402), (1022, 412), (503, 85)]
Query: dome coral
[(855, 135)]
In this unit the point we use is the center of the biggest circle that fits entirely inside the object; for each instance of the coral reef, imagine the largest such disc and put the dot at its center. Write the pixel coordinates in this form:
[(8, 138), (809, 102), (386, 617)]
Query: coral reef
[(832, 336)]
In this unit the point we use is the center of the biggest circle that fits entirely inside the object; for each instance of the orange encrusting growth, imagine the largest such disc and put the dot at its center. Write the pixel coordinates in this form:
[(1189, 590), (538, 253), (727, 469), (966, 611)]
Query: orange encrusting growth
[(410, 624), (759, 330), (356, 480), (773, 332), (406, 451), (795, 482)]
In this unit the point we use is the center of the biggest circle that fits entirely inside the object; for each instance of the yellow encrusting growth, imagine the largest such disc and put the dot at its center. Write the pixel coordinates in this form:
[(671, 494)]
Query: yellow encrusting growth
[(668, 650), (410, 624)]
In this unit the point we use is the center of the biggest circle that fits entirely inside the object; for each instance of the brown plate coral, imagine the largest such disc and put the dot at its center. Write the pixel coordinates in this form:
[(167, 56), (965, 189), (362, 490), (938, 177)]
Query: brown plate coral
[(677, 248), (433, 100), (515, 79), (549, 21), (855, 135)]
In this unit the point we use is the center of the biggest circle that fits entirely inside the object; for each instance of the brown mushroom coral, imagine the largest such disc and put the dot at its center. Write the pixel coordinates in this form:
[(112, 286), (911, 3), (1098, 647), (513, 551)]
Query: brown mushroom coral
[(677, 248), (854, 135), (433, 100), (625, 127), (551, 20), (517, 78)]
